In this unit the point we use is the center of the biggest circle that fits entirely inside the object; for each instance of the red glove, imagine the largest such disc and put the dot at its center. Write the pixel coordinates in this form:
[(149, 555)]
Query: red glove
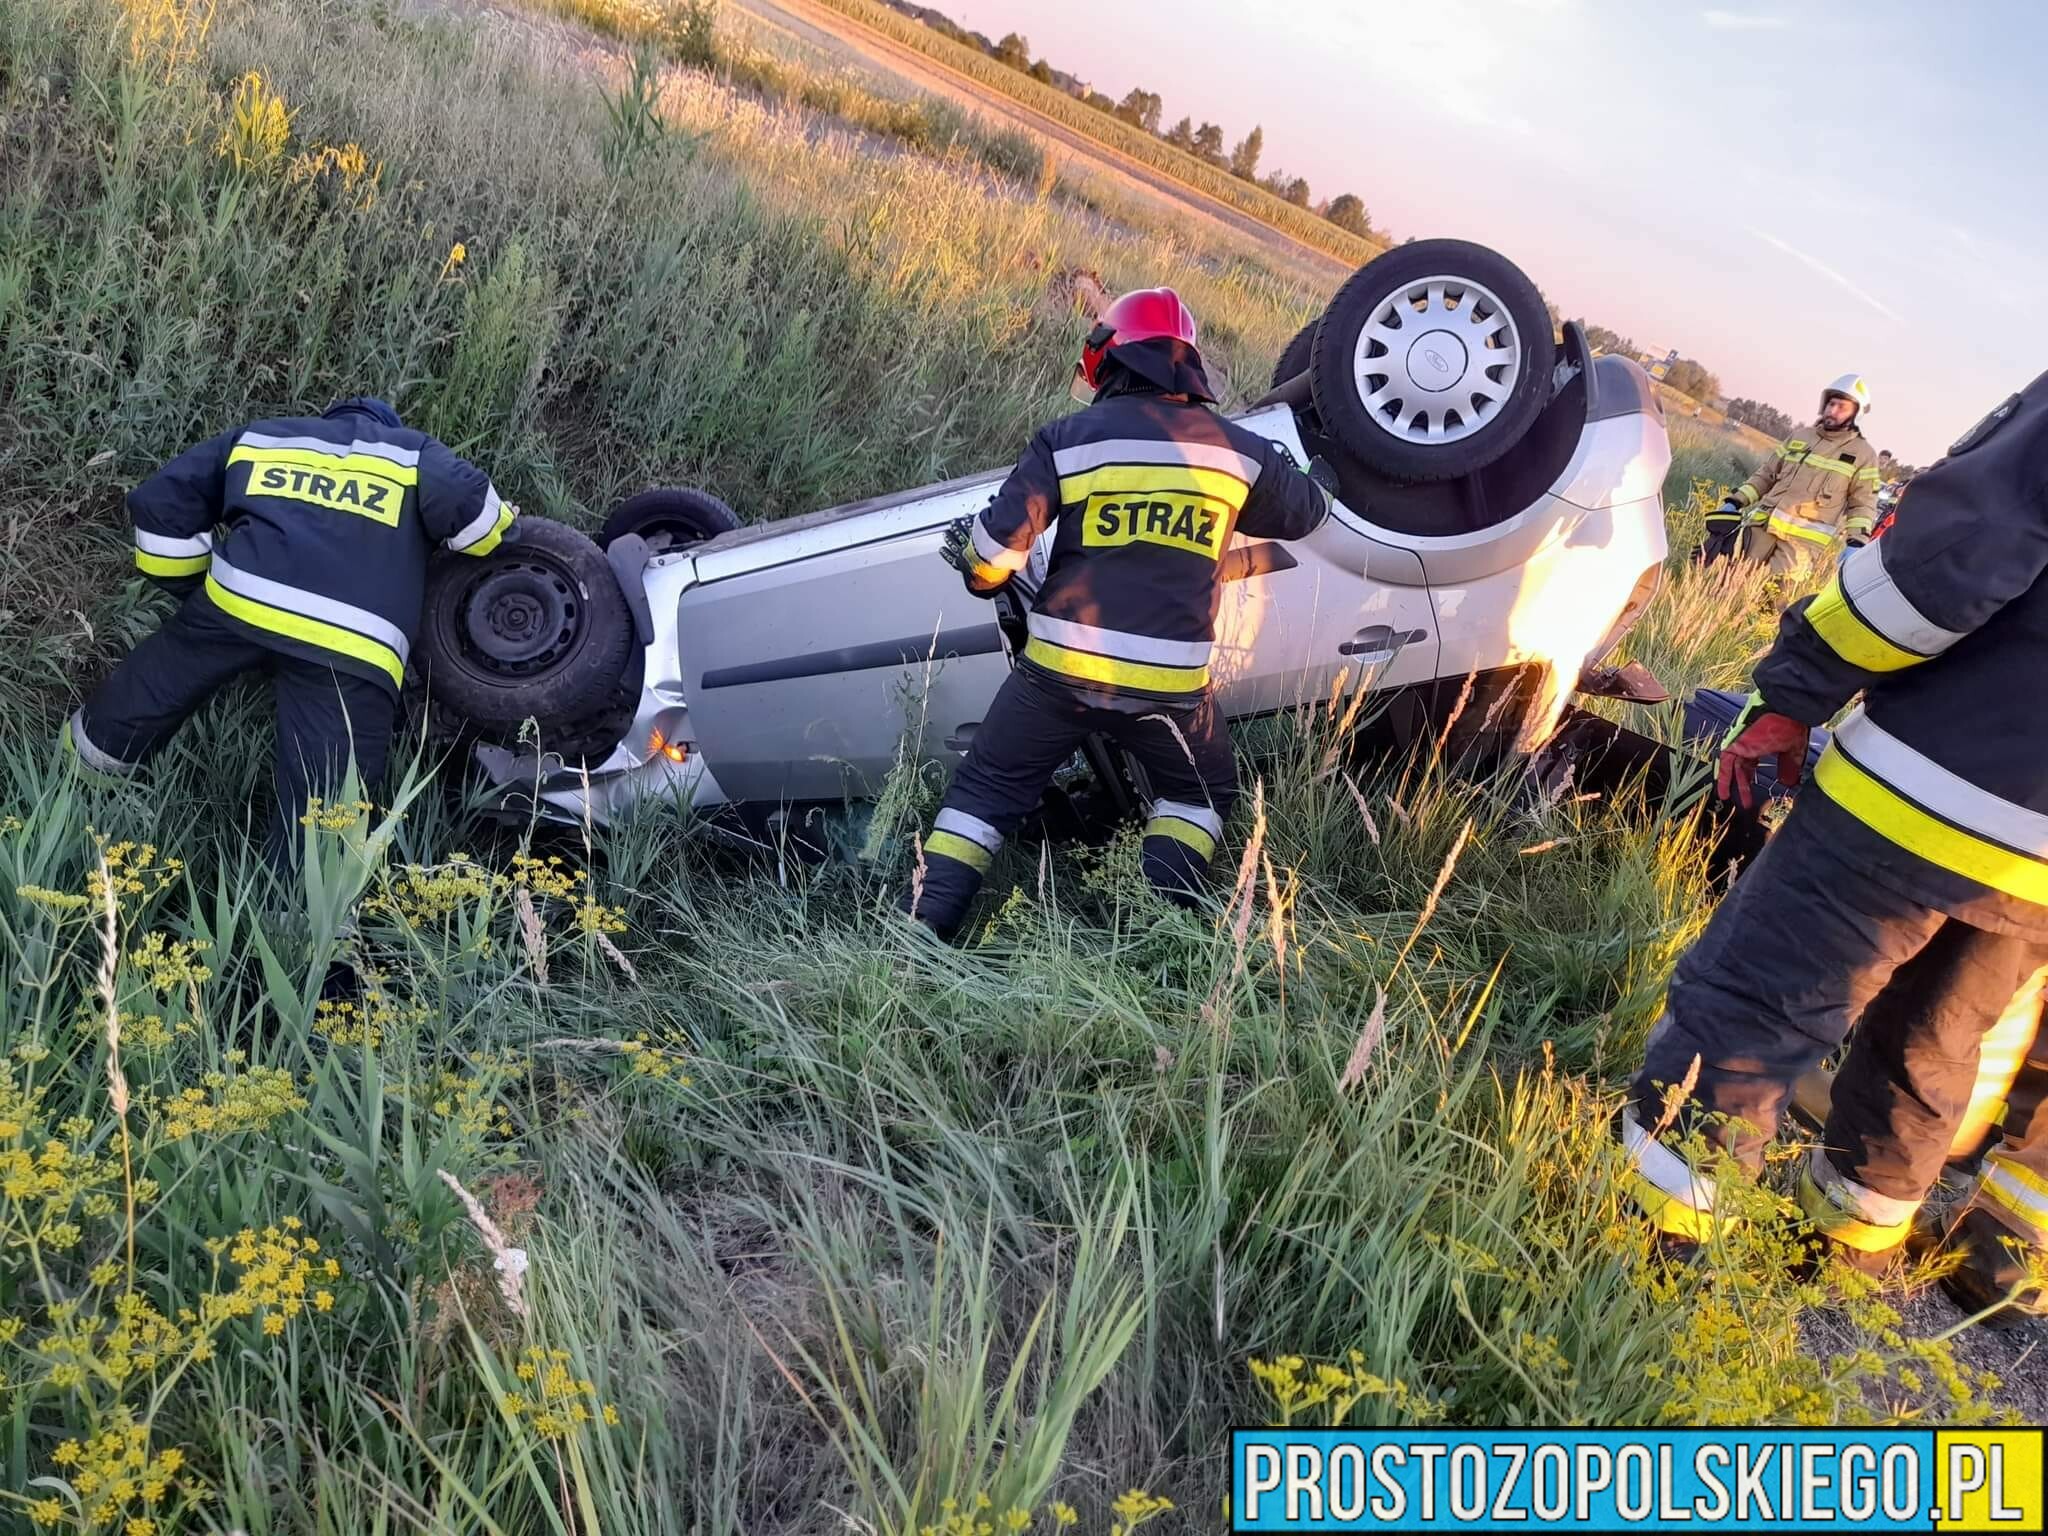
[(1766, 735)]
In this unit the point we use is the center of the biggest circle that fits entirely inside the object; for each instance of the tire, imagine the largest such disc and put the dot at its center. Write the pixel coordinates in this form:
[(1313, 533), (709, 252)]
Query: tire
[(669, 518), (1294, 356), (538, 629), (1463, 391)]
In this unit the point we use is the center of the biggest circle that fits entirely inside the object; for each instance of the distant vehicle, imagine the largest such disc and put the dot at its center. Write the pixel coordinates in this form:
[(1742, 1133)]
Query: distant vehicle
[(1500, 527)]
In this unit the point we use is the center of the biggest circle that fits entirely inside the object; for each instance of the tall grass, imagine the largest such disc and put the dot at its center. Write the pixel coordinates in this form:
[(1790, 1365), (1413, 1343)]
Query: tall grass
[(782, 1216), (749, 304)]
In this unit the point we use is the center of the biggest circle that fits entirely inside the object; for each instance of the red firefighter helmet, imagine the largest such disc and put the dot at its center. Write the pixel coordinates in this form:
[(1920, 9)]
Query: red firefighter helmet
[(1144, 315)]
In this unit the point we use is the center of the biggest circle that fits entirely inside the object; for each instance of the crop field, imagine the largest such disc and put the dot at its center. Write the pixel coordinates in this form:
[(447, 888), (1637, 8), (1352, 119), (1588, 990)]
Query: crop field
[(650, 1190)]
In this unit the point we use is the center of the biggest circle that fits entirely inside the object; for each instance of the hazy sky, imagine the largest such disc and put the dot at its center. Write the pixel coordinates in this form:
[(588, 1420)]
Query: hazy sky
[(1786, 192)]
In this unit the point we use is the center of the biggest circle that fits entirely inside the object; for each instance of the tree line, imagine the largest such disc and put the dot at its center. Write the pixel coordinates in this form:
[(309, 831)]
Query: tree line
[(1146, 110)]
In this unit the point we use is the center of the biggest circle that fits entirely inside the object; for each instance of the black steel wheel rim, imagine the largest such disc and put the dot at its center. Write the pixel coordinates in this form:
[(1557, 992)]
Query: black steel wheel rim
[(520, 619)]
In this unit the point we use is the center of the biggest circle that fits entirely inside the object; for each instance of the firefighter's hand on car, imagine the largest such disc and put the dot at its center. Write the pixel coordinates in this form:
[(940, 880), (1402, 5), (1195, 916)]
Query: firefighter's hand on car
[(957, 550), (1767, 735)]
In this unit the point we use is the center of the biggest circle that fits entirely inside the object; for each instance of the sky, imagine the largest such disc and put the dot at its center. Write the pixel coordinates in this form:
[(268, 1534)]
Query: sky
[(1785, 192)]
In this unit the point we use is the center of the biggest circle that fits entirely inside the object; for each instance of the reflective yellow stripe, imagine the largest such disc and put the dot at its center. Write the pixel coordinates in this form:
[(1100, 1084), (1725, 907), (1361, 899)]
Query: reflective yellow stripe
[(1843, 467), (328, 463), (1792, 528), (489, 541), (2025, 1176), (1839, 1226), (1674, 1216), (963, 850), (1117, 674), (1162, 479), (1849, 637), (1182, 832), (1867, 475), (296, 626), (170, 565), (1893, 817), (2019, 1197), (1746, 494)]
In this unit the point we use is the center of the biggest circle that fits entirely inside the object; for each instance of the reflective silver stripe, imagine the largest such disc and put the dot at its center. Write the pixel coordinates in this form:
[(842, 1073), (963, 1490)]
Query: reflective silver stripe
[(1885, 608), (1858, 1200), (1665, 1168), (173, 549), (1929, 785), (1149, 451), (991, 551), (1195, 815), (311, 605), (973, 828), (390, 452), (2006, 1183), (479, 527), (92, 756), (1114, 642)]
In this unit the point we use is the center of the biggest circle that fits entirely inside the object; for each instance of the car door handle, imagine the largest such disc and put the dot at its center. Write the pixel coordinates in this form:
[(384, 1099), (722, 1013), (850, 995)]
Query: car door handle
[(1380, 638)]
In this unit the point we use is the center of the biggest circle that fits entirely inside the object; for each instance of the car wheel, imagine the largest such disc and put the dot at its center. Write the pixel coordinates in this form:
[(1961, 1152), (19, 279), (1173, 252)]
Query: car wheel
[(1294, 356), (1432, 360), (538, 629), (669, 518)]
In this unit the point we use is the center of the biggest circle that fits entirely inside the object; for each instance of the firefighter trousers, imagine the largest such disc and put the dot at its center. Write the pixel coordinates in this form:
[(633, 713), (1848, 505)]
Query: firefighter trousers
[(1032, 728), (322, 715), (1804, 948), (2012, 1187)]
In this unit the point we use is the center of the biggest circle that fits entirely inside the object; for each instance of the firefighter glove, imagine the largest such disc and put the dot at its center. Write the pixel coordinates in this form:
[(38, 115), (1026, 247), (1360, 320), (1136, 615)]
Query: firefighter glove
[(957, 550), (1764, 735)]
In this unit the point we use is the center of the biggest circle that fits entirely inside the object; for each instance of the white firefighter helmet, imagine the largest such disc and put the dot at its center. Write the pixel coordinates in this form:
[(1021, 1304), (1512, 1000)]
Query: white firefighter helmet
[(1851, 387)]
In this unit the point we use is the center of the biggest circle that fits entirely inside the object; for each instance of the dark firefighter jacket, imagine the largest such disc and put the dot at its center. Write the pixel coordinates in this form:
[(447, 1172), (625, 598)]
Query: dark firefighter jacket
[(325, 527), (1937, 783), (1146, 492), (1816, 488)]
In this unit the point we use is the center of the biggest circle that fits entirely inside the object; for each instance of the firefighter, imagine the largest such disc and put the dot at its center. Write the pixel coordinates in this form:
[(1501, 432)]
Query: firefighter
[(1147, 487), (1907, 895), (1813, 492), (315, 578)]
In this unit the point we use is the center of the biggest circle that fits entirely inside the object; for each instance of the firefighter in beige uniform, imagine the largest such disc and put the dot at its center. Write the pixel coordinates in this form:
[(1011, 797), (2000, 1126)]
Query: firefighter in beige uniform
[(1815, 493)]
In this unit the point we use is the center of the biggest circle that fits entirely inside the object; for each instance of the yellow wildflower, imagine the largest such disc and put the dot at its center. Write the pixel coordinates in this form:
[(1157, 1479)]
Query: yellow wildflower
[(247, 1101)]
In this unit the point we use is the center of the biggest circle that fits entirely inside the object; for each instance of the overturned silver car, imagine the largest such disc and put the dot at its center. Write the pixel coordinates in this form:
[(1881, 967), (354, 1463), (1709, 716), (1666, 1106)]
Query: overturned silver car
[(1500, 526)]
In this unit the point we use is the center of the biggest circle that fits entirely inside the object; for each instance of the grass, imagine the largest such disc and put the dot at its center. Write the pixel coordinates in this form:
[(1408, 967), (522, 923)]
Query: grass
[(782, 1217)]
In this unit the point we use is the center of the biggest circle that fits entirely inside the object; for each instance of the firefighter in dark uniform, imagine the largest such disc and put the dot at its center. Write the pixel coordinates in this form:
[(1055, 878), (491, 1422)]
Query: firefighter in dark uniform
[(301, 547), (1147, 486), (1907, 894)]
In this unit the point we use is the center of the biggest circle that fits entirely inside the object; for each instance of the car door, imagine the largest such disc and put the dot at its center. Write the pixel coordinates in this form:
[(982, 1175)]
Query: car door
[(808, 651), (1293, 616)]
